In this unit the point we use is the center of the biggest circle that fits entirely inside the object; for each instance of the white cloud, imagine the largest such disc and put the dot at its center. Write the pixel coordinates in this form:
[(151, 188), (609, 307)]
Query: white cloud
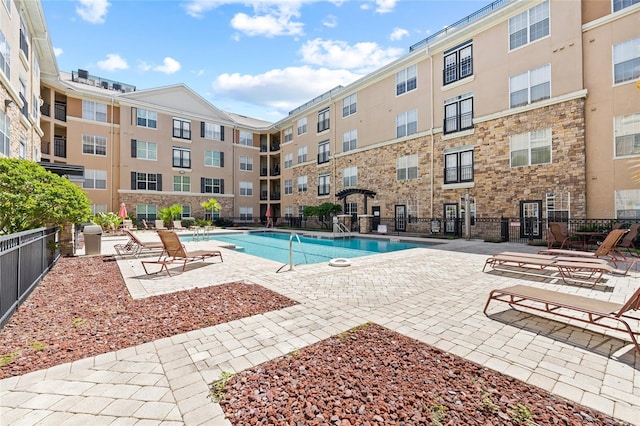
[(113, 62), (169, 66), (385, 6), (398, 33), (281, 89), (266, 25), (330, 21), (58, 51), (363, 57), (93, 11)]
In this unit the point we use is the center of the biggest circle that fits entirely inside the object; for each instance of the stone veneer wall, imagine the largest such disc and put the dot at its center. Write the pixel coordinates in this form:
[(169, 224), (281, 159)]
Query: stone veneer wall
[(163, 200), (498, 188)]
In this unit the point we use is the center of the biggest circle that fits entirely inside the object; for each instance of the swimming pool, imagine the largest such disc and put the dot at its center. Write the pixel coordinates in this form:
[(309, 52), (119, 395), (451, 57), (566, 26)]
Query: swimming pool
[(275, 246)]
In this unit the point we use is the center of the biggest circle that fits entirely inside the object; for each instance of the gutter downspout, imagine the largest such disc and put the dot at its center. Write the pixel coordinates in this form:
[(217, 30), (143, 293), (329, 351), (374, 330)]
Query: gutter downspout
[(432, 136)]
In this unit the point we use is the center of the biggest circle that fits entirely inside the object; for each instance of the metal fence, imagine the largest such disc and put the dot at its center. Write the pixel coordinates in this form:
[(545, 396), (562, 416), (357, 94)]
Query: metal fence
[(25, 258)]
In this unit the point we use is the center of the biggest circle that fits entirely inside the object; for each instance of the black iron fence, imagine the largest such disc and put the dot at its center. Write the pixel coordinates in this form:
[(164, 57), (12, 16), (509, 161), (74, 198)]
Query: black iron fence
[(25, 257)]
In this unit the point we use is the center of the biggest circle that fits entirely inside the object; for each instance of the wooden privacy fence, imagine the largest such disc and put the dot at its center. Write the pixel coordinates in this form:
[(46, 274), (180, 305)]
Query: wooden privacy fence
[(25, 258)]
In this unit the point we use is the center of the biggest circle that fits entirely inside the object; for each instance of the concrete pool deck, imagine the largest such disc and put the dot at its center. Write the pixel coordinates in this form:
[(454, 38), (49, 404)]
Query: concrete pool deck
[(435, 295)]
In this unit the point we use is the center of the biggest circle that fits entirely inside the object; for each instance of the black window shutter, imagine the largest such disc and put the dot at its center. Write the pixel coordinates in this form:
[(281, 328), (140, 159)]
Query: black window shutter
[(222, 159), (221, 133), (133, 180), (159, 182), (202, 185), (222, 186), (202, 129), (134, 148)]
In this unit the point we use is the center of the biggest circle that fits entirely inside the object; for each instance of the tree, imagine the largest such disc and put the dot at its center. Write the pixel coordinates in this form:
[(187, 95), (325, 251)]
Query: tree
[(323, 211), (211, 204), (169, 214), (32, 197)]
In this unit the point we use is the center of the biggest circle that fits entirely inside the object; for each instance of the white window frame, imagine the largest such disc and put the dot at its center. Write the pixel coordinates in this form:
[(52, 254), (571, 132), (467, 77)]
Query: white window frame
[(349, 105), (181, 183), (288, 134), (288, 160), (350, 176), (5, 134), (212, 131), (288, 186), (146, 150), (246, 213), (148, 180), (96, 178), (302, 154), (407, 123), (147, 211), (5, 56), (146, 118), (617, 5), (246, 138), (407, 167), (540, 140), (529, 81), (324, 152), (350, 140), (214, 183), (302, 183), (94, 111), (246, 189), (626, 135), (527, 22), (626, 53), (246, 163), (627, 200), (212, 158), (407, 80), (302, 126), (94, 145)]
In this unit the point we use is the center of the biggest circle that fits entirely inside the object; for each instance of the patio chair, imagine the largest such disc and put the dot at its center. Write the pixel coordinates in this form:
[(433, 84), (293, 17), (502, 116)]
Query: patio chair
[(135, 246), (559, 237), (159, 224), (627, 242), (174, 251), (607, 249), (177, 225), (579, 308)]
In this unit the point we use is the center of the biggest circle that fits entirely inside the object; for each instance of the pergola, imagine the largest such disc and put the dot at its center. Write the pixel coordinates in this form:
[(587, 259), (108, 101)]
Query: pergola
[(366, 193)]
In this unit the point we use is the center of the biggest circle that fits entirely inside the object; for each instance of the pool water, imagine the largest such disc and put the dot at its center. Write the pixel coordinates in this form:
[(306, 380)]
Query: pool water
[(275, 246)]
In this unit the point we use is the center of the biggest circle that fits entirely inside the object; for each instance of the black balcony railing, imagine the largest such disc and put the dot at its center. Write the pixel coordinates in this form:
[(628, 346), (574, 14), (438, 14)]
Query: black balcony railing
[(263, 171), (264, 196), (45, 147), (275, 196), (60, 111), (60, 147), (45, 110)]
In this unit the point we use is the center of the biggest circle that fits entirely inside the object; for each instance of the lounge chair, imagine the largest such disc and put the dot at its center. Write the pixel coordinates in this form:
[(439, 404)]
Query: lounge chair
[(559, 237), (606, 250), (585, 309), (177, 225), (160, 224), (135, 246), (174, 251), (627, 242)]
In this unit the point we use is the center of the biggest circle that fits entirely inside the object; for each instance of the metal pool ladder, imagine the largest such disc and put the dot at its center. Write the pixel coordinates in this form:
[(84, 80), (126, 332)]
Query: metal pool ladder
[(291, 252)]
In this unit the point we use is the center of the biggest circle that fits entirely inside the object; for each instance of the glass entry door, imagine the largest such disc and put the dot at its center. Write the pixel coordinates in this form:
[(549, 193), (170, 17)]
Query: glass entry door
[(531, 219), (401, 217), (450, 218)]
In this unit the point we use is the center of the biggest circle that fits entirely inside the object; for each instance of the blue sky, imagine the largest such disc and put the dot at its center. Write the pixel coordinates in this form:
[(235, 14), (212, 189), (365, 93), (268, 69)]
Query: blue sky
[(255, 58)]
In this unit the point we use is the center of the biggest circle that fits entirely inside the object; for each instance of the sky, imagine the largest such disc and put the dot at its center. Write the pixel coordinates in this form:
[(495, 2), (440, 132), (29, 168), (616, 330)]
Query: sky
[(260, 58)]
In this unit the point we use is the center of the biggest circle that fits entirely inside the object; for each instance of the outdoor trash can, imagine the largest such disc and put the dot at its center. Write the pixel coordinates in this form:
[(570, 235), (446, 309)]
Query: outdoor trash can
[(92, 239)]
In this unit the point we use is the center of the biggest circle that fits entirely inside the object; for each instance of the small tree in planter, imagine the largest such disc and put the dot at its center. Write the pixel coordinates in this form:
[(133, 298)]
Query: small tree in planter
[(323, 211), (169, 214), (211, 205)]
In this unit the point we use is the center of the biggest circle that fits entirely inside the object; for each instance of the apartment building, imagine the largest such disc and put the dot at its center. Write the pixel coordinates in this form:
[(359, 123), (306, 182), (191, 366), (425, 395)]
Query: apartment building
[(525, 109), (513, 107)]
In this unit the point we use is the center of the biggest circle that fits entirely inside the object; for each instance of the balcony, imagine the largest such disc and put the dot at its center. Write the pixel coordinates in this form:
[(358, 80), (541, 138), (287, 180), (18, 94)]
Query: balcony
[(275, 147), (60, 147), (264, 196), (45, 110), (275, 170), (60, 111), (45, 147), (263, 171), (275, 196)]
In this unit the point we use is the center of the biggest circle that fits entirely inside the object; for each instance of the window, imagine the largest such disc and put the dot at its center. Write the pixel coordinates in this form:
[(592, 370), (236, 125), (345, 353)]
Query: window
[(302, 126), (350, 140), (288, 134), (246, 138), (458, 63), (323, 152), (186, 211), (146, 181), (22, 149), (288, 211), (182, 183), (98, 208), (213, 159), (23, 97), (146, 118), (5, 134), (323, 184), (288, 161), (246, 163), (529, 26), (406, 80), (24, 37), (352, 209), (458, 113), (627, 204), (144, 150), (246, 213), (407, 167), (5, 56), (302, 154), (94, 111), (302, 184), (211, 131), (181, 158), (211, 186), (349, 105), (146, 211), (530, 148), (626, 60), (323, 120), (627, 135), (35, 111), (94, 145), (407, 123), (458, 166), (531, 86), (350, 176), (621, 4), (181, 129), (246, 189), (288, 187), (95, 179)]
